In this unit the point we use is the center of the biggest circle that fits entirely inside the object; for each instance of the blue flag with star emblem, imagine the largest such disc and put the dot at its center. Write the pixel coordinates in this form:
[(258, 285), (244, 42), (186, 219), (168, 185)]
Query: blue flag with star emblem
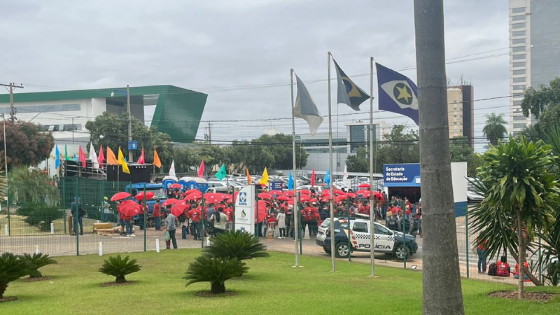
[(348, 92), (397, 93)]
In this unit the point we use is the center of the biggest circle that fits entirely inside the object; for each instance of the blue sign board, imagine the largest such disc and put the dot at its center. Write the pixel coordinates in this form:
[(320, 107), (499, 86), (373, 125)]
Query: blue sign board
[(401, 175), (133, 145), (276, 185)]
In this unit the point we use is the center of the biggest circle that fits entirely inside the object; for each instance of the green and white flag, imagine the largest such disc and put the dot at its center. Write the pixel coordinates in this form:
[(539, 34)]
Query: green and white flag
[(222, 173)]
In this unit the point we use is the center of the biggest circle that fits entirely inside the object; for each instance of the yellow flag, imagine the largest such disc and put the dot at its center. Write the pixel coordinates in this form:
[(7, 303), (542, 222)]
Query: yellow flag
[(264, 178), (122, 162)]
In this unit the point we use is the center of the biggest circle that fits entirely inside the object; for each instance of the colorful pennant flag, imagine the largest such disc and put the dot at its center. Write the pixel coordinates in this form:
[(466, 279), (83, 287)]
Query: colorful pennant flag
[(157, 161), (397, 93), (101, 158), (348, 92), (172, 169), (313, 178), (93, 156), (141, 158), (290, 182), (66, 153), (111, 158), (201, 169), (222, 173), (122, 162), (264, 178), (82, 157), (249, 180), (327, 178), (56, 158)]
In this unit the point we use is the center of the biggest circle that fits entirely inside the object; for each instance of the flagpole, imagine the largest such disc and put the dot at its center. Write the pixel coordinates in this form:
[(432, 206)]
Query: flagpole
[(371, 199), (331, 167), (295, 211)]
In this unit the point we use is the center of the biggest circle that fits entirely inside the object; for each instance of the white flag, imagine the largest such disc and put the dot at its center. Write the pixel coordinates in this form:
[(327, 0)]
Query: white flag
[(93, 156), (345, 177), (172, 169), (305, 107)]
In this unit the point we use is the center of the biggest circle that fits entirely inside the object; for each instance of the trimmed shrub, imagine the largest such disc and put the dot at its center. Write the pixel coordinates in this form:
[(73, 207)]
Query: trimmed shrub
[(236, 244), (40, 215), (12, 268), (215, 270), (119, 267), (33, 263)]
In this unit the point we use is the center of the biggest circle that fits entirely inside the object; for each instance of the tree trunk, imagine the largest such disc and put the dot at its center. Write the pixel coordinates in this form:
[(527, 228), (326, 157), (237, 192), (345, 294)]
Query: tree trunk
[(120, 279), (441, 276), (529, 274), (3, 287), (218, 287), (521, 258)]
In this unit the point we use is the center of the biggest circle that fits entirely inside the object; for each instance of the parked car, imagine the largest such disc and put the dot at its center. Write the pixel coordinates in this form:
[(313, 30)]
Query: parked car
[(386, 240)]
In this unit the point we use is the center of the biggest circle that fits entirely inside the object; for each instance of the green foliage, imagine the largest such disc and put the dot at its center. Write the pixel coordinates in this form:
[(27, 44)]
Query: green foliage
[(39, 214), (119, 267), (111, 130), (26, 144), (236, 244), (36, 261), (11, 268), (30, 185), (358, 162), (494, 130), (215, 270), (553, 273), (537, 102)]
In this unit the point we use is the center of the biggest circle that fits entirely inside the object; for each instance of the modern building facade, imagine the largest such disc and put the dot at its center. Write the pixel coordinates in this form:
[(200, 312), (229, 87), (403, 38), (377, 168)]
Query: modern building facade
[(65, 113), (460, 111), (534, 38)]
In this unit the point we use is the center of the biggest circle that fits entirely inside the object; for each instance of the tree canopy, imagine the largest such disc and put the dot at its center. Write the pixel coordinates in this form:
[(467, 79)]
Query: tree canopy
[(543, 104), (494, 130), (26, 144)]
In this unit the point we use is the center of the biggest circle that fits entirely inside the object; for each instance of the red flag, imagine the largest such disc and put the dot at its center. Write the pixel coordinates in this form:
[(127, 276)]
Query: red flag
[(101, 157), (82, 157), (141, 158), (157, 162), (201, 169), (313, 179)]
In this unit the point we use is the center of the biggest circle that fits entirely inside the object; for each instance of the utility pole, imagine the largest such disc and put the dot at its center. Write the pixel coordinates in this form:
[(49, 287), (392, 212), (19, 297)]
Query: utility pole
[(130, 157), (209, 133), (441, 276), (12, 109)]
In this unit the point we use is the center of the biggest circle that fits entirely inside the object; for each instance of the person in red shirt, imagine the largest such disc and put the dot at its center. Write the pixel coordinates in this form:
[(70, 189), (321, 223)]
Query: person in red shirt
[(157, 215), (195, 216), (516, 274), (313, 215), (502, 268)]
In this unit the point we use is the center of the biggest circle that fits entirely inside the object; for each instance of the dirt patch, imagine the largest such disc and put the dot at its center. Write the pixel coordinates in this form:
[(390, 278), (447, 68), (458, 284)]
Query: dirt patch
[(8, 299), (210, 294), (116, 284), (531, 296), (36, 279)]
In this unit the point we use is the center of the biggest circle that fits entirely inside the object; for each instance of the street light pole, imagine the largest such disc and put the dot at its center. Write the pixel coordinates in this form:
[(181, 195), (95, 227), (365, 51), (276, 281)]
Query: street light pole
[(6, 169), (130, 157)]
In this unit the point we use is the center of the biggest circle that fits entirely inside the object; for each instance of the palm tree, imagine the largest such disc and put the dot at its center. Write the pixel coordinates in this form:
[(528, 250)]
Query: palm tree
[(494, 130), (521, 194)]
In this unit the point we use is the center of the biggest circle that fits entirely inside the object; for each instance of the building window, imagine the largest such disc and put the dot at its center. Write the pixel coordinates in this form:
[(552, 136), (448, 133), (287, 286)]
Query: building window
[(518, 56), (518, 18), (518, 41), (519, 125), (518, 64), (518, 118), (516, 103), (516, 95), (518, 49), (518, 10), (518, 25), (518, 33), (518, 80), (518, 72), (519, 87)]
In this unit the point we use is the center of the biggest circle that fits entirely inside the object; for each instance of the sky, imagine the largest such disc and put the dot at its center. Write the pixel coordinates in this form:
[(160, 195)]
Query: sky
[(240, 53)]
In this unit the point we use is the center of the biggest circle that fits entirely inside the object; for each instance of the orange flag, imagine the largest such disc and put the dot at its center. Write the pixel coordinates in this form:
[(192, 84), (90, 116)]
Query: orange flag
[(157, 162), (111, 158), (249, 181)]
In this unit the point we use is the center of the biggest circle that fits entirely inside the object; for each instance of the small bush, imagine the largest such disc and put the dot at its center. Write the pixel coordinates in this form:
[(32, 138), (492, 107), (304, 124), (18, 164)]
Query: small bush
[(119, 267), (39, 214), (215, 270), (12, 268), (236, 244), (33, 263)]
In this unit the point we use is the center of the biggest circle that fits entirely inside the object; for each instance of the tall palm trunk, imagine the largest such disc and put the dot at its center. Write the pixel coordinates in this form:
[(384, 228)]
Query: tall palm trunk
[(441, 277), (521, 258)]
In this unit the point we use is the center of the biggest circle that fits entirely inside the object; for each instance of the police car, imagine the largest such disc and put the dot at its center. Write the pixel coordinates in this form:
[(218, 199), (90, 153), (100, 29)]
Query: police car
[(386, 241)]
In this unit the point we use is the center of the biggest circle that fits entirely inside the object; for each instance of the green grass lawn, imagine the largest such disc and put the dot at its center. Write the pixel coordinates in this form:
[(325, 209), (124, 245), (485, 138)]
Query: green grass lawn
[(272, 285)]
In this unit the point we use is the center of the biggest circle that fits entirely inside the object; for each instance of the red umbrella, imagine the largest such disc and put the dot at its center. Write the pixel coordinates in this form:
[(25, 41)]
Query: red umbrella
[(341, 198), (169, 201), (178, 208), (275, 192), (378, 195), (213, 197), (262, 211), (176, 185), (193, 191), (304, 198), (192, 197), (362, 191), (120, 196), (351, 195), (129, 208), (338, 191), (325, 192), (363, 185), (325, 199), (140, 196), (265, 195), (282, 198), (305, 191), (289, 193)]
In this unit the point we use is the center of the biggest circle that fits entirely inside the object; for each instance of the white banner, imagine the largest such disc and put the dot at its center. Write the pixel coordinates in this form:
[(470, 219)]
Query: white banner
[(245, 210)]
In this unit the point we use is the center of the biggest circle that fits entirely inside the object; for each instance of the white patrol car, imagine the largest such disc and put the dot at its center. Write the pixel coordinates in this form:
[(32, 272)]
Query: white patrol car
[(386, 241)]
